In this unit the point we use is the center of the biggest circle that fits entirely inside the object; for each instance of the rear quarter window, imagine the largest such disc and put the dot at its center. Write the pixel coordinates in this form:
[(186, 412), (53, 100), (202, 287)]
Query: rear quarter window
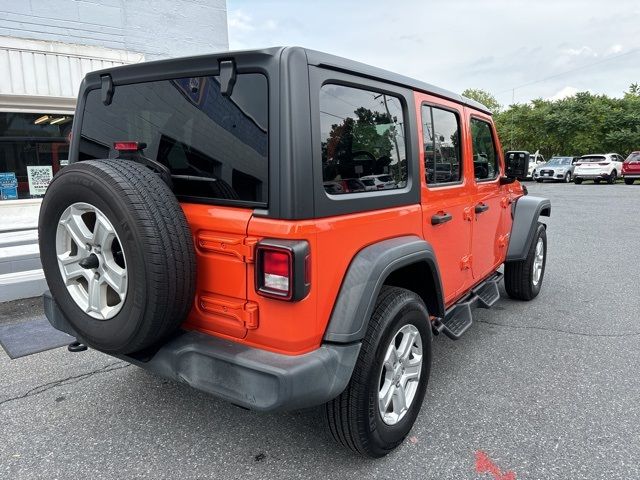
[(362, 135)]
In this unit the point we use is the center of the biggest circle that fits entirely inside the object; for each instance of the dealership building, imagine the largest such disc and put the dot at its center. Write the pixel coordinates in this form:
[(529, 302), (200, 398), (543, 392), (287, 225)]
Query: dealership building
[(46, 48)]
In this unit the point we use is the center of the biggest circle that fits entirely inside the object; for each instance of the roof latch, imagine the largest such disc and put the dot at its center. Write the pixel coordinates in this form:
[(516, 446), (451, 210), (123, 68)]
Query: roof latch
[(106, 89), (227, 77)]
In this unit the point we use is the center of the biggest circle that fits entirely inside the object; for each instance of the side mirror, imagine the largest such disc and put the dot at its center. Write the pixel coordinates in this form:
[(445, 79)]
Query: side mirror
[(516, 164)]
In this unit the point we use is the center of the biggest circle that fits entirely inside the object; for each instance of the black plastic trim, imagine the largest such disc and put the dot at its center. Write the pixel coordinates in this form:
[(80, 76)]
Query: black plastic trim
[(367, 273), (249, 377), (526, 212)]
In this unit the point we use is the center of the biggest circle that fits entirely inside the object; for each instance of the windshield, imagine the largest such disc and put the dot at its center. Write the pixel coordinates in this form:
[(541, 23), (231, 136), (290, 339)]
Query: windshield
[(559, 161), (593, 158), (215, 146), (634, 157)]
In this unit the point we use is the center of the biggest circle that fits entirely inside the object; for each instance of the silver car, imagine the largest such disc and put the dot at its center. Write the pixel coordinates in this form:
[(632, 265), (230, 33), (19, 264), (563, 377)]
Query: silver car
[(557, 169)]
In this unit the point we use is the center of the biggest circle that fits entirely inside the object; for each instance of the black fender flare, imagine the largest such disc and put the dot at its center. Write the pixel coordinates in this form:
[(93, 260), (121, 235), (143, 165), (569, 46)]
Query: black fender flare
[(525, 213), (365, 276)]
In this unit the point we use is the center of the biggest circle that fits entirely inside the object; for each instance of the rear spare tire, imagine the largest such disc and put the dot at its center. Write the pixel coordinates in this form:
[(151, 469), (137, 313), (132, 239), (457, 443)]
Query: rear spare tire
[(117, 254)]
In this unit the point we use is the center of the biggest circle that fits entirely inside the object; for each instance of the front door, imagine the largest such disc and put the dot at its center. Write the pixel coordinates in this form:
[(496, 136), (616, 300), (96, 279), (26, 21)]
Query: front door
[(446, 191), (490, 200)]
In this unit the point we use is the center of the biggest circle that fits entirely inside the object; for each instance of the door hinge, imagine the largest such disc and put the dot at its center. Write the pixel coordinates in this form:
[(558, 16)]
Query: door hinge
[(241, 248), (467, 214), (466, 262), (240, 311)]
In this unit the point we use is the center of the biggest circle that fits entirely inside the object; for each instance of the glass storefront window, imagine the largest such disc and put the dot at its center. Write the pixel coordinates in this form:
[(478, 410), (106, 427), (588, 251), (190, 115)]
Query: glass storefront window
[(33, 139)]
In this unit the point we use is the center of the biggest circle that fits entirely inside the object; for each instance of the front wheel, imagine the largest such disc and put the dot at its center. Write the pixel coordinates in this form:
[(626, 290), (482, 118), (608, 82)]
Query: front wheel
[(628, 181), (380, 405), (577, 181), (612, 178), (567, 178), (523, 279)]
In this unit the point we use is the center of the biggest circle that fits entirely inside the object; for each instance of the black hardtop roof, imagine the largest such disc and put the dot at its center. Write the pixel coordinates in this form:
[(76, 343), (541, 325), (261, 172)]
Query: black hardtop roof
[(315, 58)]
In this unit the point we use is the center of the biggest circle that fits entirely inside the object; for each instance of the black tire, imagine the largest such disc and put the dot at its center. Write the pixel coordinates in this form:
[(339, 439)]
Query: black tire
[(353, 418), (567, 178), (628, 181), (518, 276), (539, 180), (596, 181), (612, 178), (155, 239), (577, 181)]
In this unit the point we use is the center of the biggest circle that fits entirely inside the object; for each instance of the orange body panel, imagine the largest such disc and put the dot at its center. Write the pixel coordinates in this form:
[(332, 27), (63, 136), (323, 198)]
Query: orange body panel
[(468, 249)]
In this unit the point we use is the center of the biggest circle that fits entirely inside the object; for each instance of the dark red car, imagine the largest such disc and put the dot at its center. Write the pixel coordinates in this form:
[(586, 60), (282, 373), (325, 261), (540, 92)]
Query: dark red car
[(631, 168)]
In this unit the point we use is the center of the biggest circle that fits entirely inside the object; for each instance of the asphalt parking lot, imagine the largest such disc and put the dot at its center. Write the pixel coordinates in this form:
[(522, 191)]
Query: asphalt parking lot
[(548, 389)]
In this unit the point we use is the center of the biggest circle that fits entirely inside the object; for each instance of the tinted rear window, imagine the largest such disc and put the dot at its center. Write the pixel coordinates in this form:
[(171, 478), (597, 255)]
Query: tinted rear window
[(215, 146), (634, 157), (594, 158)]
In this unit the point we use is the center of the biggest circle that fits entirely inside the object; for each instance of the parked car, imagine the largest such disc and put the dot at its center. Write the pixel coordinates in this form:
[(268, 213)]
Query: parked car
[(631, 168), (557, 169), (302, 299), (380, 182), (598, 167)]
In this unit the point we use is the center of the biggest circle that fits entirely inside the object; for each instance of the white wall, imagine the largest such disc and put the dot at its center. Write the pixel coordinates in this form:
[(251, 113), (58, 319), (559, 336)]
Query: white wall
[(155, 28)]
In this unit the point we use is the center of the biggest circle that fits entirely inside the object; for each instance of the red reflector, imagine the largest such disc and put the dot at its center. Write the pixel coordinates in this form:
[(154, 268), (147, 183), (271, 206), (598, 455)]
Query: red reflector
[(276, 263), (126, 146)]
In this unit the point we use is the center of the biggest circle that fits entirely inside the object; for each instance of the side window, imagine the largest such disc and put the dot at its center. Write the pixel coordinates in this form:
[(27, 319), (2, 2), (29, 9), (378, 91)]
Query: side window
[(441, 137), (362, 134), (485, 159)]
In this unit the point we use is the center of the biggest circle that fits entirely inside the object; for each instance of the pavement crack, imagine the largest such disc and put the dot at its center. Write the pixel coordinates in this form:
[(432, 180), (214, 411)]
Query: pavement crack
[(560, 330), (67, 381)]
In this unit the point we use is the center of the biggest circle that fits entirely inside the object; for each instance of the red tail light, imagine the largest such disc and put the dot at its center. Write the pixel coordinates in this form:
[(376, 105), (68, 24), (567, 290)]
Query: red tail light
[(276, 268), (128, 146), (283, 269)]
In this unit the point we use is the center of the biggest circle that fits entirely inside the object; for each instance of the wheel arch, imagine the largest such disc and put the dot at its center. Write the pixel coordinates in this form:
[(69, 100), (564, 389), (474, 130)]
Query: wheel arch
[(526, 213), (408, 262)]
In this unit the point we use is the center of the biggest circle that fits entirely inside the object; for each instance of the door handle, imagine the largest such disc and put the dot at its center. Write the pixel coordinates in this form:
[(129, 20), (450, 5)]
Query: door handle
[(481, 207), (439, 218)]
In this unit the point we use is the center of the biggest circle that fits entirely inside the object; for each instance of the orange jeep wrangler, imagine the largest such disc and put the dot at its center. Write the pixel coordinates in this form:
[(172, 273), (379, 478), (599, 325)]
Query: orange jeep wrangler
[(284, 228)]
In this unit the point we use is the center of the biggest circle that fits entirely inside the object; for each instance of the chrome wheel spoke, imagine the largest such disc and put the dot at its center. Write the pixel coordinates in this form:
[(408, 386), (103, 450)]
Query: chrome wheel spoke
[(103, 233), (412, 372), (406, 345), (385, 396), (94, 296), (399, 400), (70, 267)]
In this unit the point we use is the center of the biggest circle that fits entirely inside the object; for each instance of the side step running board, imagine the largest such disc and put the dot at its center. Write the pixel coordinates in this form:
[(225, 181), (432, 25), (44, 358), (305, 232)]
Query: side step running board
[(458, 318)]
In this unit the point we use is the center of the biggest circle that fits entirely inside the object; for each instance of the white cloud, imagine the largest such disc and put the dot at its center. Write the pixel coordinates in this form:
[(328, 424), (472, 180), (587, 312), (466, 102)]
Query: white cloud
[(584, 51), (239, 21), (564, 93), (615, 49)]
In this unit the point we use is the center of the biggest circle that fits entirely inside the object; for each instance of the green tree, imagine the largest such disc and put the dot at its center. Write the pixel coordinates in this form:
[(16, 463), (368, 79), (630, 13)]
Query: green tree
[(484, 97)]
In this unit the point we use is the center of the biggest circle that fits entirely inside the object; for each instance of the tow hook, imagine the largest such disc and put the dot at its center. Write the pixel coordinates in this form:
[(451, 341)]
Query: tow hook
[(76, 347)]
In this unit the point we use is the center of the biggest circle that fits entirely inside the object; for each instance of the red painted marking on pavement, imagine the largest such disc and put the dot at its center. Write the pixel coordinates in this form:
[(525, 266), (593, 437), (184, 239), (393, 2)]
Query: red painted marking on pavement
[(485, 465)]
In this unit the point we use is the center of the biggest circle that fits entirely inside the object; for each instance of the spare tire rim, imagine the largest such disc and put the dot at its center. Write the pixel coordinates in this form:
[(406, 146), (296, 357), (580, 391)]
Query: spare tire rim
[(400, 374), (91, 260)]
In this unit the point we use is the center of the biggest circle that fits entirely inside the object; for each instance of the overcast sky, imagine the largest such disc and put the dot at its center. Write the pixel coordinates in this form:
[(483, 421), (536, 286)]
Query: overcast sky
[(494, 45)]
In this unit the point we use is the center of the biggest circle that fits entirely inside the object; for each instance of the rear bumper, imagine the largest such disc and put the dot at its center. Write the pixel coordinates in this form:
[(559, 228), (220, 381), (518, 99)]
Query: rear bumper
[(631, 175), (592, 176), (246, 376)]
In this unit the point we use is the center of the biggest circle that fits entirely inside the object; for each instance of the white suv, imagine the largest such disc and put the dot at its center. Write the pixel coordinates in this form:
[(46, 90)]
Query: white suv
[(381, 182), (598, 167)]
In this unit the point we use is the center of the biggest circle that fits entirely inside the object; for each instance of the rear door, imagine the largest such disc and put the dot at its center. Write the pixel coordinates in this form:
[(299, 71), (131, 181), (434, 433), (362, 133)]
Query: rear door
[(490, 199), (446, 190)]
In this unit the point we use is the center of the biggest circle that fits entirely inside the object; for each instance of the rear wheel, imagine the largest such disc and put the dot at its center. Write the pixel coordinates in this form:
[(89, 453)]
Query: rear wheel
[(379, 406), (612, 178), (523, 279), (628, 181), (577, 181)]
